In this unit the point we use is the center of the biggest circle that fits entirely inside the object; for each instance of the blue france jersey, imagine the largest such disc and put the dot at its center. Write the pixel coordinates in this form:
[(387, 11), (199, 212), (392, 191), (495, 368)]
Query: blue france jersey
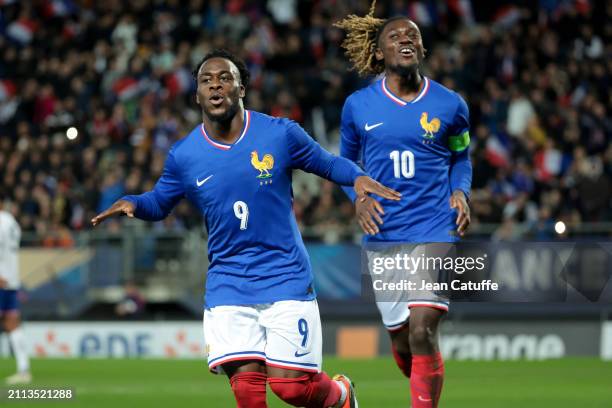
[(244, 192), (419, 148)]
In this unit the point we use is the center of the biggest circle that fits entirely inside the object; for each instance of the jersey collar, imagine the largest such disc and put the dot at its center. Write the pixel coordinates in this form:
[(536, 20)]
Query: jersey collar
[(225, 146), (400, 101)]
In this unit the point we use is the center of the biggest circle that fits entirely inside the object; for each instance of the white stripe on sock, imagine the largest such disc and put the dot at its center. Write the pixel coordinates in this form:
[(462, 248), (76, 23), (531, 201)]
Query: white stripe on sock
[(343, 393)]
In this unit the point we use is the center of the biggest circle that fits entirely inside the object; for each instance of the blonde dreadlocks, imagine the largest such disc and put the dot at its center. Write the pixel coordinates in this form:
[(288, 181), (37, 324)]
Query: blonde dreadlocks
[(360, 41)]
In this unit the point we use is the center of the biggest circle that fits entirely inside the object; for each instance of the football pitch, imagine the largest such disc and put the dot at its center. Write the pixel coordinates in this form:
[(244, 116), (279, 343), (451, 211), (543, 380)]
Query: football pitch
[(576, 383)]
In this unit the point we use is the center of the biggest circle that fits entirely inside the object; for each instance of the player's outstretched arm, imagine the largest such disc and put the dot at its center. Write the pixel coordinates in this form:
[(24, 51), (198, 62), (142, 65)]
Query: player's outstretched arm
[(120, 207), (153, 205), (308, 155)]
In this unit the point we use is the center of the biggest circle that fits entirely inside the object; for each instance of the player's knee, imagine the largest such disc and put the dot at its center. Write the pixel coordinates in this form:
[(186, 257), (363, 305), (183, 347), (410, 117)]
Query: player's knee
[(422, 336), (247, 386), (401, 346), (11, 321), (290, 390)]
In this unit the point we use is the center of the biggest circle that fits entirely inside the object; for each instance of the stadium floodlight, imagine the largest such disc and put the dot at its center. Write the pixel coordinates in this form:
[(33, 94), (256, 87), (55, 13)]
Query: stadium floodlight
[(72, 133), (560, 227)]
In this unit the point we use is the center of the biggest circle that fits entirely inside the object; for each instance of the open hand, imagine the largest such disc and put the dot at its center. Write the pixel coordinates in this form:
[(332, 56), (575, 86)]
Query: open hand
[(368, 212), (459, 202), (121, 207), (365, 185)]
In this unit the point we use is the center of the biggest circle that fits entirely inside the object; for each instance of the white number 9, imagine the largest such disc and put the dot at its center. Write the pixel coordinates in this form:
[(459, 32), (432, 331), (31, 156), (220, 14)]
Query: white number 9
[(242, 213)]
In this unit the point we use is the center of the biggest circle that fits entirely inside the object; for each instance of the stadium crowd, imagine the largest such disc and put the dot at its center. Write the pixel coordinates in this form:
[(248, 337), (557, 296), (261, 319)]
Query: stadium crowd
[(536, 79)]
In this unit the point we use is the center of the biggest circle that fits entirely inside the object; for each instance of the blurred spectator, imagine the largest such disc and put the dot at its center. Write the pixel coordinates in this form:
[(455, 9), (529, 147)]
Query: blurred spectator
[(132, 305)]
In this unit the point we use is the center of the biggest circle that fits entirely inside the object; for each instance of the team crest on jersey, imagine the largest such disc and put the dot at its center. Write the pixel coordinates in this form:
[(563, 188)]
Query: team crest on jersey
[(429, 126), (263, 166)]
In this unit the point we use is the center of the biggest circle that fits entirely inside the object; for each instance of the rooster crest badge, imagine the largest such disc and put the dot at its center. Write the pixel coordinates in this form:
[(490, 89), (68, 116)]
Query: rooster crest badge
[(430, 127), (264, 165)]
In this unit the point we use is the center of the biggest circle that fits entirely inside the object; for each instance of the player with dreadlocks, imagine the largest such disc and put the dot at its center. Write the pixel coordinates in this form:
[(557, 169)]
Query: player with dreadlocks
[(412, 134)]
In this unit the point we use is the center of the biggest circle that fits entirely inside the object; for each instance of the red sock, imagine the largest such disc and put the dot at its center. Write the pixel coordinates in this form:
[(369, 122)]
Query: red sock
[(310, 391), (249, 389), (404, 361), (426, 380)]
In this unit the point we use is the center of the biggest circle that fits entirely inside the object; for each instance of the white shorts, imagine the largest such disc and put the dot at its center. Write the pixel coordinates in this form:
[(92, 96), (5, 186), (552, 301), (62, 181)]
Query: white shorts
[(285, 334), (394, 314), (395, 307)]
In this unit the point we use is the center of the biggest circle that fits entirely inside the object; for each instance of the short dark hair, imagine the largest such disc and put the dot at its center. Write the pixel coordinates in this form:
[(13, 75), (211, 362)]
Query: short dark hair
[(245, 75)]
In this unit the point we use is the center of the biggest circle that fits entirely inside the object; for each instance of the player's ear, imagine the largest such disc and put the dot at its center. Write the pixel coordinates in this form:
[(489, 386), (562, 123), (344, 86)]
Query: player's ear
[(242, 91), (197, 98)]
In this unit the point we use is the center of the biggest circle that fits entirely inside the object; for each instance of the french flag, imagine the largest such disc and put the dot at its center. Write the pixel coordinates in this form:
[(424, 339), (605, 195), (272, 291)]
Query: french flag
[(463, 8), (126, 88), (497, 151), (179, 82), (422, 14), (506, 16), (59, 8), (21, 30), (548, 164), (7, 89)]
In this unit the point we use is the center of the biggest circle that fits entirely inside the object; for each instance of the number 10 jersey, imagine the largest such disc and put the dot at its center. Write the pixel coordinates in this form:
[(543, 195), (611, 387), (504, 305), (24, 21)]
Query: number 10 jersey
[(417, 147)]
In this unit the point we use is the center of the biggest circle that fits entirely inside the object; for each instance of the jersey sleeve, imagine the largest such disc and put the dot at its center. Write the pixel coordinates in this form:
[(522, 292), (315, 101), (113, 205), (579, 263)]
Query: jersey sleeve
[(458, 144), (350, 141), (156, 204), (308, 155)]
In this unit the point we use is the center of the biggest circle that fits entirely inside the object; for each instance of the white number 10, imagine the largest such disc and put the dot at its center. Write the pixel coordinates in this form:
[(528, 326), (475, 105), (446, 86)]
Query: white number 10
[(242, 213), (407, 163)]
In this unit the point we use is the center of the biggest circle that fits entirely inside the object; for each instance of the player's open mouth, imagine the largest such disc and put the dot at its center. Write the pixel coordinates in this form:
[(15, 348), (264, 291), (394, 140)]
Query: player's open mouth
[(407, 51), (216, 100)]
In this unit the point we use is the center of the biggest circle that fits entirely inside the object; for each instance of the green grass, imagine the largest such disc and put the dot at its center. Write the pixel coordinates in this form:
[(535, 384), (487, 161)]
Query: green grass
[(571, 383)]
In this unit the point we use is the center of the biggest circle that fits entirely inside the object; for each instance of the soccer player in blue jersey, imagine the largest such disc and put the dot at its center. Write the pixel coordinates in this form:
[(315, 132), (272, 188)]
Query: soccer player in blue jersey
[(412, 134), (261, 320)]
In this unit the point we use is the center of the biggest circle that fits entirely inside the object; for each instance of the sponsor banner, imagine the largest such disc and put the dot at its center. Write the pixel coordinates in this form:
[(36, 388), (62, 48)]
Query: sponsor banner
[(520, 340), (113, 340), (465, 340), (481, 340)]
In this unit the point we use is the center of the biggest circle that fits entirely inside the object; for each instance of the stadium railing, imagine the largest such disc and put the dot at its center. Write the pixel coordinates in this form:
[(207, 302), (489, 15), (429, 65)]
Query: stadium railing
[(168, 266)]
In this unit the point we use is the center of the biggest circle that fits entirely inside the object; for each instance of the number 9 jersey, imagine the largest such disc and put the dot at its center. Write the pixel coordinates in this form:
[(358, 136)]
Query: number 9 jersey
[(417, 147), (243, 191)]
